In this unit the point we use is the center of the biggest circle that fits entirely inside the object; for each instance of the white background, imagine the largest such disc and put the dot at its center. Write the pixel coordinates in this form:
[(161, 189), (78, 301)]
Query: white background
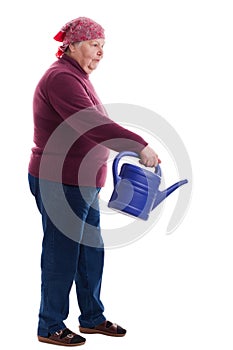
[(174, 57)]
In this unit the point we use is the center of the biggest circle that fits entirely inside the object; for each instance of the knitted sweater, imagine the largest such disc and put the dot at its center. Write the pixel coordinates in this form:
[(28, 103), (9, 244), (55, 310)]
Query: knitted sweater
[(72, 131)]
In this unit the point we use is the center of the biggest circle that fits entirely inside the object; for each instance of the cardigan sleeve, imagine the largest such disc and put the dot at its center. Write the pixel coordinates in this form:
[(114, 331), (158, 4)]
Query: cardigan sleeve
[(70, 99)]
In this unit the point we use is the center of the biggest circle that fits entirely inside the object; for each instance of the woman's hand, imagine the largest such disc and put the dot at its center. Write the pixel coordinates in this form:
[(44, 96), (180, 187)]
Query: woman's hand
[(148, 157)]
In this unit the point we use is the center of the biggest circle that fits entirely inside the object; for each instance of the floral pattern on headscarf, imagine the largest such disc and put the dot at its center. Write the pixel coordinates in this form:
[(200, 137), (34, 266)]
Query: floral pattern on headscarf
[(79, 29)]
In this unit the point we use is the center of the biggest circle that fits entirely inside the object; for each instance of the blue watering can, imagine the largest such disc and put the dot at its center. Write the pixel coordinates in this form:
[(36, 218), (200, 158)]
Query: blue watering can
[(136, 190)]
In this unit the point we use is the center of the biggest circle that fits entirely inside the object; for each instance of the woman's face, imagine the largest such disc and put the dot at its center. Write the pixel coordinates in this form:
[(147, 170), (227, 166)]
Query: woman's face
[(87, 53)]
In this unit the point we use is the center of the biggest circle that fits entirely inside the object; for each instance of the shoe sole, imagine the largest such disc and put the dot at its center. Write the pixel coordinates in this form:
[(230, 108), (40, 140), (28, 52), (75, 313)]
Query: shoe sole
[(50, 341), (96, 331)]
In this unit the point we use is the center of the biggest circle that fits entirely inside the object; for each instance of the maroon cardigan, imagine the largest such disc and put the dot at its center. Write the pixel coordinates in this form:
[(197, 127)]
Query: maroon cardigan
[(72, 131)]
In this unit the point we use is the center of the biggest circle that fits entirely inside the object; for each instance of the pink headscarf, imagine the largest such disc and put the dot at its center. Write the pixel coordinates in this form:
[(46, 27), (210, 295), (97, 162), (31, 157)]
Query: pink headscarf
[(79, 29)]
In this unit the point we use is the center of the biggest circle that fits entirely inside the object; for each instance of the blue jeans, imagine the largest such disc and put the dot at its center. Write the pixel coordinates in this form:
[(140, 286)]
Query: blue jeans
[(65, 260)]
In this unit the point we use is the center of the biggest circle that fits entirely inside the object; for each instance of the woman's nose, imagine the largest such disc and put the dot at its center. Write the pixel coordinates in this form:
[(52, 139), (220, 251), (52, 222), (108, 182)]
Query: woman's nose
[(100, 52)]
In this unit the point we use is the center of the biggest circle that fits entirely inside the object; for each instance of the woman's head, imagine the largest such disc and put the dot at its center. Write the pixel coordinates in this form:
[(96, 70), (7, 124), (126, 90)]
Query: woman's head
[(87, 53), (83, 40)]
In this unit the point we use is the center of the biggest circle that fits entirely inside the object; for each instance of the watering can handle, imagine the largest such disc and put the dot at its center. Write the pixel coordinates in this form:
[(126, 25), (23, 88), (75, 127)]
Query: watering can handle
[(116, 177)]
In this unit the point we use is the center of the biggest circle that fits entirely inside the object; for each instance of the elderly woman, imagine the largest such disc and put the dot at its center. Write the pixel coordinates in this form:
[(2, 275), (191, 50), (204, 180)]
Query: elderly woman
[(63, 92)]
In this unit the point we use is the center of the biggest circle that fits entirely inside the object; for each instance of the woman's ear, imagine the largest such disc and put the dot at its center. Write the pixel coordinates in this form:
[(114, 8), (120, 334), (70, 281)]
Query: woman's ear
[(71, 47)]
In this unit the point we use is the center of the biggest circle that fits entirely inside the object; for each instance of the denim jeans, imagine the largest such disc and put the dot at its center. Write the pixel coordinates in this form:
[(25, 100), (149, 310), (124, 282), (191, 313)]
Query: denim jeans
[(65, 260)]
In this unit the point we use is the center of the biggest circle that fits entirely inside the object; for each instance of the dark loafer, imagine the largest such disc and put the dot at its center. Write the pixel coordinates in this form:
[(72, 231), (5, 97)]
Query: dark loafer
[(106, 328), (64, 337)]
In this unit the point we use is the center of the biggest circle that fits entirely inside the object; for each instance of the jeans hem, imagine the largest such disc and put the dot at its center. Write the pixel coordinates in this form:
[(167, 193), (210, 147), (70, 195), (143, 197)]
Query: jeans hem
[(93, 324)]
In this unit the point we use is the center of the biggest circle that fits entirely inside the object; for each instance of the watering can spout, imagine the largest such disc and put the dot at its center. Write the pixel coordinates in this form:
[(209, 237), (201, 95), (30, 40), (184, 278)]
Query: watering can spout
[(161, 195)]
